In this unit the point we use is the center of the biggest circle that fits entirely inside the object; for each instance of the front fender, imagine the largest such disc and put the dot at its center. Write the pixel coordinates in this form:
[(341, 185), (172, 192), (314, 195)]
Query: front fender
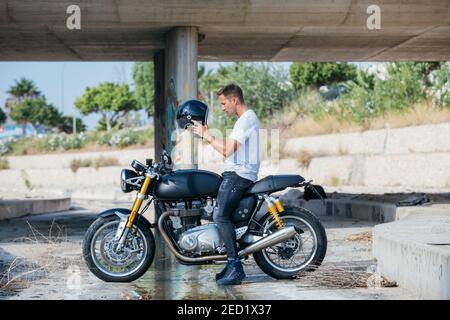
[(111, 212)]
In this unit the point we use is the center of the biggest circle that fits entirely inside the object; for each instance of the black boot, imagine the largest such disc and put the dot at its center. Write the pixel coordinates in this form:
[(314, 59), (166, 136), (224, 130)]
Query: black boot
[(222, 273), (234, 273)]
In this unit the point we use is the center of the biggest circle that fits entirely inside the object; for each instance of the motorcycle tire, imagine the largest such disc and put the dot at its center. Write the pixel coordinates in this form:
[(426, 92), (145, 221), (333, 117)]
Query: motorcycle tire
[(150, 245), (303, 214)]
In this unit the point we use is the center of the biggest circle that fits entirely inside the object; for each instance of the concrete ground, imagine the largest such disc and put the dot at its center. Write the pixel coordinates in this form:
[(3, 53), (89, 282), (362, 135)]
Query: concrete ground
[(46, 251)]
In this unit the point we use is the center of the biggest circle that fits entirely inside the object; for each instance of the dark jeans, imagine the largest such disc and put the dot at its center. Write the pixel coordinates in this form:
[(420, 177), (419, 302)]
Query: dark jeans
[(230, 193)]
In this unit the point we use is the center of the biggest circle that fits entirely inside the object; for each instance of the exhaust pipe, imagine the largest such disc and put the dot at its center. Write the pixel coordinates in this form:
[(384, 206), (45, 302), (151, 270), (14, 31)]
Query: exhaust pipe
[(275, 238)]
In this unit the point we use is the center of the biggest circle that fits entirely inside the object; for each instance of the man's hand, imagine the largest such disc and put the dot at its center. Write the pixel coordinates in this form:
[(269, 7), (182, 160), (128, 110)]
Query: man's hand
[(200, 130), (226, 148)]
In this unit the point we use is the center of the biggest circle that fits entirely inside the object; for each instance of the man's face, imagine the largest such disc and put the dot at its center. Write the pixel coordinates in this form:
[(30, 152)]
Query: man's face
[(228, 105)]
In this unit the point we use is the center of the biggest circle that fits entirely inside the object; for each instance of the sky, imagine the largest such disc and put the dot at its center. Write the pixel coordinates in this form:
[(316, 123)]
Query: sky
[(63, 82)]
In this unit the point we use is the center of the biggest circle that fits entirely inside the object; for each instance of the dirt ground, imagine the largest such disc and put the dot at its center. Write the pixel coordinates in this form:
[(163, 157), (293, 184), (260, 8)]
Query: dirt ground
[(40, 258)]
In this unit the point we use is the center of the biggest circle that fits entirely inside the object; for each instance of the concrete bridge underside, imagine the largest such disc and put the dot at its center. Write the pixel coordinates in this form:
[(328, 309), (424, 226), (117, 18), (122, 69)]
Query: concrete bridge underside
[(285, 30)]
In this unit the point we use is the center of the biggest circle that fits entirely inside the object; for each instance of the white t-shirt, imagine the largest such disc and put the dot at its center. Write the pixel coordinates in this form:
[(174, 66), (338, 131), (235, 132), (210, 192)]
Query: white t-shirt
[(245, 160)]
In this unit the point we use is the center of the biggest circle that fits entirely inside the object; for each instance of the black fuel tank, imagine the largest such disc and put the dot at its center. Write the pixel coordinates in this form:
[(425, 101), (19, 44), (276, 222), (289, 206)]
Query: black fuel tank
[(188, 184)]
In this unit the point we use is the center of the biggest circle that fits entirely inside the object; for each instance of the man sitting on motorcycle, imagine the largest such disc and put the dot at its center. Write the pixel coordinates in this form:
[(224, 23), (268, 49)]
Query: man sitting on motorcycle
[(241, 150)]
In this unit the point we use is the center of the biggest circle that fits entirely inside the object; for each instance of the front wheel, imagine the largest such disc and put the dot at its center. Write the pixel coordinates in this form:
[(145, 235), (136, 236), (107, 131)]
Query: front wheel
[(304, 252), (112, 265)]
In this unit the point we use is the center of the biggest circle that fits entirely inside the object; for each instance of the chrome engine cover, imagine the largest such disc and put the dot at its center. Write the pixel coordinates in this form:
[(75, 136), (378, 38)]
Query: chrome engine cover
[(202, 239), (205, 239)]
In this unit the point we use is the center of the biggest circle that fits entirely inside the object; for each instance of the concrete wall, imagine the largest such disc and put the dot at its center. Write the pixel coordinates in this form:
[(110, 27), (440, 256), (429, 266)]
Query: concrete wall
[(414, 157), (417, 156), (415, 139), (415, 252), (17, 208), (63, 160)]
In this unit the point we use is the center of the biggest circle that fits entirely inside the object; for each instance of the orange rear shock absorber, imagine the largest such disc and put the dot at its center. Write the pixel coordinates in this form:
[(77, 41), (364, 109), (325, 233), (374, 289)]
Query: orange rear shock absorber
[(275, 208)]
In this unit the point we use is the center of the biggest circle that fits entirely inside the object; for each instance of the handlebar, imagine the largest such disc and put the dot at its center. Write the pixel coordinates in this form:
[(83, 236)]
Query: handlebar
[(155, 168)]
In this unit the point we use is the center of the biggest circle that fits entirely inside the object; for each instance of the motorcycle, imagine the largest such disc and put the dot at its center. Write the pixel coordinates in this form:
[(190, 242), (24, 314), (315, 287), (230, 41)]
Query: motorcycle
[(119, 246)]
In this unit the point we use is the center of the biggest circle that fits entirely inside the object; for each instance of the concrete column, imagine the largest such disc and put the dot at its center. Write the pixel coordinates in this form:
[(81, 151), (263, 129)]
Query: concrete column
[(160, 107), (180, 80)]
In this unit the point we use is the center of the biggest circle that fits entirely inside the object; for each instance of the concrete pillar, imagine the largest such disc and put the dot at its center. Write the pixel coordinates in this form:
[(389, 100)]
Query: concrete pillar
[(160, 106), (175, 76), (180, 80)]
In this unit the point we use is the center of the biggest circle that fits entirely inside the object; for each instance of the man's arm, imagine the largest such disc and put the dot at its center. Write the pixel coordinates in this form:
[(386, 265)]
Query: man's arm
[(225, 148)]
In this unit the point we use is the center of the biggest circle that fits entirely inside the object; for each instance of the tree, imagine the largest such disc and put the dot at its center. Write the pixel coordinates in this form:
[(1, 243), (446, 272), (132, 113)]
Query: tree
[(23, 89), (111, 100), (265, 88), (208, 83), (37, 112), (317, 74), (66, 124), (402, 87), (143, 78), (2, 116)]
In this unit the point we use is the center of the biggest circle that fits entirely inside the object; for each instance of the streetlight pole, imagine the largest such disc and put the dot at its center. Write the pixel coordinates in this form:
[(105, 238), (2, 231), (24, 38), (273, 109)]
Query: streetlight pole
[(62, 88)]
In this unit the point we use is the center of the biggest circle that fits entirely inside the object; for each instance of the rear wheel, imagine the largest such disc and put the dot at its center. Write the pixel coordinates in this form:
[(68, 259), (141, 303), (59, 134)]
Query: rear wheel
[(112, 265), (304, 252)]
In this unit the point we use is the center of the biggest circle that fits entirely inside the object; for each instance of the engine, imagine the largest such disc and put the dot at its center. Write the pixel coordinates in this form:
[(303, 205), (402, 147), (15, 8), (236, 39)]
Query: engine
[(202, 240), (192, 237)]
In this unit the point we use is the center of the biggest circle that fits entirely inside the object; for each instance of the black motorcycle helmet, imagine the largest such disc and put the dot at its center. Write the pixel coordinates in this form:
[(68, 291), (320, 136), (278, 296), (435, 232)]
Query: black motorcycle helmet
[(191, 110)]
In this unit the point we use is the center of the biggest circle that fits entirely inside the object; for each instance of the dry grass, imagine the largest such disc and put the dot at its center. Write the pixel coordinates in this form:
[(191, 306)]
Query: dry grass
[(304, 158), (421, 113), (361, 236), (4, 164), (343, 151), (21, 271), (96, 163), (75, 164), (334, 181), (344, 276), (293, 125), (307, 126)]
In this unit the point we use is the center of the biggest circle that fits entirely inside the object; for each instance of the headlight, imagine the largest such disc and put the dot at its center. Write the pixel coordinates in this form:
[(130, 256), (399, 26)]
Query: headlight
[(130, 180)]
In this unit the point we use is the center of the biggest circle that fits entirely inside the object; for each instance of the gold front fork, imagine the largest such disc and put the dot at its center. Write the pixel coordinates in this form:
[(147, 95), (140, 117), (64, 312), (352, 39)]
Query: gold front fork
[(275, 208), (138, 201)]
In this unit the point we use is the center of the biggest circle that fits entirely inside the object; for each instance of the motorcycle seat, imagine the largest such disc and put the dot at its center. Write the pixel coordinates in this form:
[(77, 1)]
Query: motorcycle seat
[(272, 183)]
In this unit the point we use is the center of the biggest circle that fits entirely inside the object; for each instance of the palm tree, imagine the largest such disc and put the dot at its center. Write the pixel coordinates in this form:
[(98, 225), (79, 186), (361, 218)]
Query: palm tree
[(23, 89)]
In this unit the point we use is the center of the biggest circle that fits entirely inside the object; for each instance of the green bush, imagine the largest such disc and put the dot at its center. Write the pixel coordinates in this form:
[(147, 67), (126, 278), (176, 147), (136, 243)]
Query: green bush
[(5, 147), (440, 89), (368, 97), (126, 137), (103, 138), (316, 74), (266, 89), (65, 142), (26, 146), (402, 88), (311, 103)]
